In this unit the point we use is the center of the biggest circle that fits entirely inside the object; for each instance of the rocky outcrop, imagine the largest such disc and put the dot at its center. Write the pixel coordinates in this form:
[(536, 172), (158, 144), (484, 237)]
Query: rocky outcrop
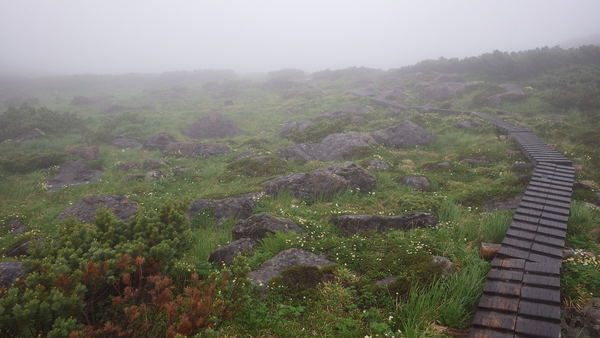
[(227, 253), (259, 225), (158, 142), (323, 182), (193, 149), (356, 224), (9, 271), (237, 207), (340, 146), (213, 125), (333, 147), (416, 182), (292, 127), (285, 260), (405, 134), (85, 209), (73, 173)]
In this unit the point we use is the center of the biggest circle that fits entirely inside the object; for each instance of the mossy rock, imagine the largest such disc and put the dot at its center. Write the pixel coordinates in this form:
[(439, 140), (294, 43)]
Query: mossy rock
[(299, 278), (258, 166), (317, 131)]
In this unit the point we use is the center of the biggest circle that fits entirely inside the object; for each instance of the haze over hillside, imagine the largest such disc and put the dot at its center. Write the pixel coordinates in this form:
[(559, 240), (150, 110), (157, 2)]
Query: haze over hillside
[(71, 37)]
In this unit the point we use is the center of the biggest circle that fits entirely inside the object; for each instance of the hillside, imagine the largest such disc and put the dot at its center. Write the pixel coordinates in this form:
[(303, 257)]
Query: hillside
[(117, 193)]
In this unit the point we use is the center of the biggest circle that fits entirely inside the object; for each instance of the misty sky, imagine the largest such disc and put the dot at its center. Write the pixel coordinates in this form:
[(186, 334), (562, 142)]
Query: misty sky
[(117, 36)]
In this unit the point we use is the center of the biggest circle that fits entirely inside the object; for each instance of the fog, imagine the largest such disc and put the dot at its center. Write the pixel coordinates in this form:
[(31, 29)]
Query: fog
[(110, 36)]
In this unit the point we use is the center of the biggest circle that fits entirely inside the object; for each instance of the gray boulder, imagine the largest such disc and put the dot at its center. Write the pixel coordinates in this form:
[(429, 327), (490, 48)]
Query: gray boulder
[(416, 182), (192, 149), (85, 209), (158, 141), (356, 224), (232, 207), (405, 134), (285, 260), (9, 271), (213, 125), (323, 182), (259, 225), (333, 147), (227, 253), (124, 142), (73, 173), (444, 263)]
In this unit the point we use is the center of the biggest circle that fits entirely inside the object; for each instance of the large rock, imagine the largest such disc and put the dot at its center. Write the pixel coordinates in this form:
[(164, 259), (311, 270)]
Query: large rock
[(323, 182), (85, 209), (158, 142), (227, 253), (581, 322), (124, 142), (9, 271), (73, 173), (285, 260), (356, 224), (405, 134), (416, 182), (259, 225), (87, 153), (232, 207), (333, 147), (213, 125), (378, 165), (22, 249), (192, 149)]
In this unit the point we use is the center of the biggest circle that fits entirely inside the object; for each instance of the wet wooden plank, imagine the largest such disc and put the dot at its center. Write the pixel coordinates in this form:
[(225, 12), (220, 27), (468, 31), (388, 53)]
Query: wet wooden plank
[(537, 327), (557, 242), (496, 320), (541, 280), (508, 263), (554, 217), (547, 250), (538, 294), (526, 235), (543, 268), (500, 303), (477, 332), (502, 288), (529, 212), (548, 231), (553, 224), (505, 275), (518, 243), (523, 226), (513, 252)]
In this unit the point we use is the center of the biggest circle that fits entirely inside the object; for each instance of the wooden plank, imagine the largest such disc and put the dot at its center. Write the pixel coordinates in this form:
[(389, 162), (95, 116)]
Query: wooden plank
[(558, 233), (499, 303), (545, 311), (537, 327), (477, 332), (529, 212), (495, 320), (541, 280), (508, 263), (540, 257), (554, 217), (538, 294), (542, 268), (505, 275), (523, 226), (557, 242), (557, 210), (502, 288), (527, 235), (547, 250), (518, 243), (513, 252), (553, 224)]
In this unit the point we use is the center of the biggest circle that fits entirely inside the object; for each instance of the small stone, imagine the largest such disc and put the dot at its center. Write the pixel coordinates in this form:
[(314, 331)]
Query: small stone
[(445, 264), (15, 226), (489, 250), (377, 165), (154, 175)]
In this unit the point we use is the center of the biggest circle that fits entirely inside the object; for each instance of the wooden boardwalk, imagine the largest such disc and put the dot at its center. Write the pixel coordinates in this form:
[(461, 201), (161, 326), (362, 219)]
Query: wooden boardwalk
[(521, 296)]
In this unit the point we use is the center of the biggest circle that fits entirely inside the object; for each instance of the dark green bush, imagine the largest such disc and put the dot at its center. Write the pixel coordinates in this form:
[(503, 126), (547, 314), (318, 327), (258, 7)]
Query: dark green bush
[(17, 160), (17, 121)]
